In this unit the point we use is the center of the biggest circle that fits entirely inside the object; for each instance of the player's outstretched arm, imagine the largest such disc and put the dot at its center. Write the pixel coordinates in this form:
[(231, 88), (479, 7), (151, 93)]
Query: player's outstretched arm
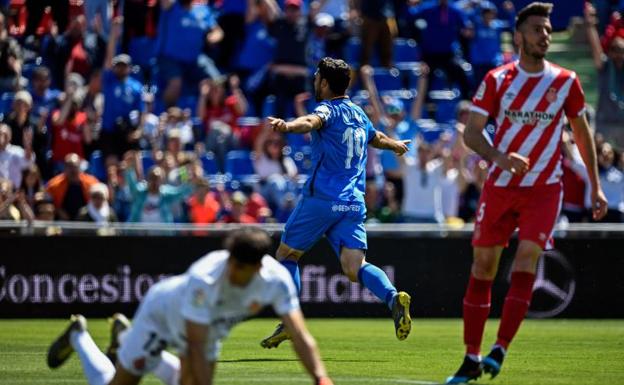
[(473, 137), (301, 125), (384, 142), (305, 347), (202, 371), (585, 142)]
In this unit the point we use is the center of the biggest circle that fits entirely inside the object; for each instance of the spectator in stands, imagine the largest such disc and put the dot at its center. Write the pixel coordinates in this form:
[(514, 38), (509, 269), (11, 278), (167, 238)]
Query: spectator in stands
[(219, 113), (485, 45), (13, 206), (44, 98), (612, 181), (97, 210), (339, 33), (100, 12), (317, 43), (76, 50), (232, 21), (31, 184), (388, 115), (23, 123), (277, 172), (610, 66), (183, 30), (44, 209), (10, 60), (377, 15), (152, 199), (289, 73), (236, 212), (70, 129), (477, 171), (179, 121), (70, 190), (120, 196), (573, 205), (422, 183), (447, 23), (451, 184), (14, 159), (36, 10), (203, 206), (257, 51), (122, 99)]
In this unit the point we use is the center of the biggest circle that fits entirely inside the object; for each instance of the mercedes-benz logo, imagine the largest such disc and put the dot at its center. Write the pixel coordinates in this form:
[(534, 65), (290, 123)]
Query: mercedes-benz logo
[(554, 285)]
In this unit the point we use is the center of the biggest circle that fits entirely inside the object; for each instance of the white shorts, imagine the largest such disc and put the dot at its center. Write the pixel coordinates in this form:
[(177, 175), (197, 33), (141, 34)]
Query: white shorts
[(143, 343)]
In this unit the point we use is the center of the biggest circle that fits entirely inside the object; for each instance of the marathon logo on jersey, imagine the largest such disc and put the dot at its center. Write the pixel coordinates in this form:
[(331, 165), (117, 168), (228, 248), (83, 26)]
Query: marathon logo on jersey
[(529, 117), (346, 208)]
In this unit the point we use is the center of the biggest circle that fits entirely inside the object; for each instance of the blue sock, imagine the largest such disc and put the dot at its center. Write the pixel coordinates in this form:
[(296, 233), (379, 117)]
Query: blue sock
[(376, 280), (293, 268)]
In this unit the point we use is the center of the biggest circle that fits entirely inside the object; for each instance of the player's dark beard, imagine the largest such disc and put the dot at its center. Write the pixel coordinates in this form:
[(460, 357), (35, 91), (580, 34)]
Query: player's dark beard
[(534, 53), (317, 95)]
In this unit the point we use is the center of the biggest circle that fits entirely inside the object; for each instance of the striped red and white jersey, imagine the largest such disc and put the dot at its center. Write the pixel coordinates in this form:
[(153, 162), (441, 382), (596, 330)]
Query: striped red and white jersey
[(528, 109)]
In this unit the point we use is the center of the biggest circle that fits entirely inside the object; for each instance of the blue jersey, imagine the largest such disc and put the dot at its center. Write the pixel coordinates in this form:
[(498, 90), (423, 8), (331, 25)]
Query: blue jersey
[(339, 152)]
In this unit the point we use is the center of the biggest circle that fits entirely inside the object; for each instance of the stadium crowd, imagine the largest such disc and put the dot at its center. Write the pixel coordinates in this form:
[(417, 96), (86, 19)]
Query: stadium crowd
[(154, 111)]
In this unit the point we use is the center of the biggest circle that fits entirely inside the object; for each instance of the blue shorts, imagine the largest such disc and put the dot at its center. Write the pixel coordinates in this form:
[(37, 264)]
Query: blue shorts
[(341, 222)]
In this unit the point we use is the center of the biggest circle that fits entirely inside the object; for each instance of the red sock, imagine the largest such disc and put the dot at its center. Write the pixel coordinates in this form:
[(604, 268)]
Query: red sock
[(516, 306), (476, 311)]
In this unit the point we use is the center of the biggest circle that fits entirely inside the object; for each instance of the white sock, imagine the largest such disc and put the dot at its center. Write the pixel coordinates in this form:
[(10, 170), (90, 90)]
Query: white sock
[(96, 366), (168, 370), (474, 357)]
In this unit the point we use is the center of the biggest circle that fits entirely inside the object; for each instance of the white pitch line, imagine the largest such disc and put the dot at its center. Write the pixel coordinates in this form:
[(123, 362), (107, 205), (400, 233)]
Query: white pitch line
[(257, 380)]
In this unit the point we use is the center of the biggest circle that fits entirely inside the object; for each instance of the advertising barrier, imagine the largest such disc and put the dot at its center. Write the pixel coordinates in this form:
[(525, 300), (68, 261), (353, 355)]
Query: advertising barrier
[(97, 276)]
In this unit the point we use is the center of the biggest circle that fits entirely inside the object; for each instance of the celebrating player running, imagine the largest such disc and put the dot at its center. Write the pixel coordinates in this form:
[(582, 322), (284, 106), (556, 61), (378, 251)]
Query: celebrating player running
[(333, 197), (528, 99)]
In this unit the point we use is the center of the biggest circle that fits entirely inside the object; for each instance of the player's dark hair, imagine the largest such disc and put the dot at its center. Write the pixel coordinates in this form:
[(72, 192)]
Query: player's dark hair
[(248, 245), (533, 9), (337, 73)]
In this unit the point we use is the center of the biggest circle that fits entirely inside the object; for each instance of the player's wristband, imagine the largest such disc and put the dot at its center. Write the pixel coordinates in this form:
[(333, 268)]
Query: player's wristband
[(324, 381)]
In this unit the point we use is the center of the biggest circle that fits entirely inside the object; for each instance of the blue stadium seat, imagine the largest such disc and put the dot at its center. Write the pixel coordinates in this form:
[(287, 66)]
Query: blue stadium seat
[(239, 164), (446, 105), (387, 79), (209, 164), (406, 51), (353, 51), (96, 166), (5, 102)]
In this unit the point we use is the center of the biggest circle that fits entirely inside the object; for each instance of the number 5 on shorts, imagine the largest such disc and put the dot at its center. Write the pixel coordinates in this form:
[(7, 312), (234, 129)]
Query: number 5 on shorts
[(481, 212)]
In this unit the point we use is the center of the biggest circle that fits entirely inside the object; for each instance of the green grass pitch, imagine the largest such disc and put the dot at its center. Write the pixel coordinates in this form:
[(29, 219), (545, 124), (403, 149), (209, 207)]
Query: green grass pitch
[(358, 352)]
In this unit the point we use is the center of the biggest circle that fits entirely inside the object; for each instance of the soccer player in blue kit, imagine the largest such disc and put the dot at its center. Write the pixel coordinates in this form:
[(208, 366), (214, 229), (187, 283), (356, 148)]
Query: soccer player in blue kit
[(333, 197)]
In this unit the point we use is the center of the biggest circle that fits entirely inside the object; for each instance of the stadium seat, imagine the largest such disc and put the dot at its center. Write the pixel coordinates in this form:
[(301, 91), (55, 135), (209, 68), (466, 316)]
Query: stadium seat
[(353, 51), (209, 164), (446, 104), (97, 167), (406, 52), (5, 102), (239, 165), (387, 79)]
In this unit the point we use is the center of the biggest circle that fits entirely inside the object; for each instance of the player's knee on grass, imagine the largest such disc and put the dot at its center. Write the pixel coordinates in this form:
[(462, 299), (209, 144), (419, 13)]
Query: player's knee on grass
[(485, 262), (527, 255), (351, 262)]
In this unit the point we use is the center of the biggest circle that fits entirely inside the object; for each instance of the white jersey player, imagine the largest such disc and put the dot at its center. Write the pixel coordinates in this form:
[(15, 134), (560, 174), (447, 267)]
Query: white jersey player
[(193, 313)]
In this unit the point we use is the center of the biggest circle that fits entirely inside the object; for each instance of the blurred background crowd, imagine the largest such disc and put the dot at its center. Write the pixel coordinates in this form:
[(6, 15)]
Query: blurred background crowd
[(155, 111)]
